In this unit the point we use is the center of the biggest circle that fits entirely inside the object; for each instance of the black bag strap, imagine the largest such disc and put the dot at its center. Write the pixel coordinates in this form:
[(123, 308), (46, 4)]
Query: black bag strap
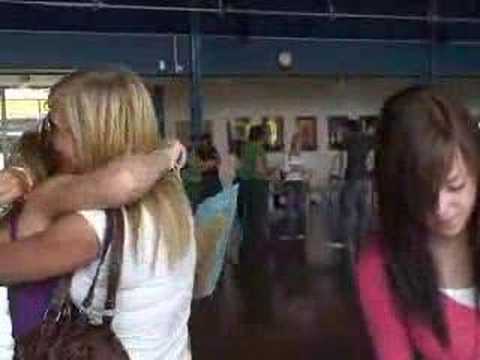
[(115, 266), (110, 214), (61, 294)]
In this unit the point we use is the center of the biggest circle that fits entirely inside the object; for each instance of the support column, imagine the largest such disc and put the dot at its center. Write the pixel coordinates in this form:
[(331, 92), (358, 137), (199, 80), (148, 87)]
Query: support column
[(196, 76)]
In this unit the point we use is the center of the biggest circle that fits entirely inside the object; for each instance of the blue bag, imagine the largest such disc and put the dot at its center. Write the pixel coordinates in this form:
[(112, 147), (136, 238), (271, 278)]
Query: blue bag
[(213, 224)]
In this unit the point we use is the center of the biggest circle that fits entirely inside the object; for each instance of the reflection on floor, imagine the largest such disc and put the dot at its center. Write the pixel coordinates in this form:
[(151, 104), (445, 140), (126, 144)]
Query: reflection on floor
[(321, 322)]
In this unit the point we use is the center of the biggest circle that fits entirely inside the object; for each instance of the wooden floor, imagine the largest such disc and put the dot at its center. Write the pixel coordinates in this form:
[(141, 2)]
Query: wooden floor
[(320, 322)]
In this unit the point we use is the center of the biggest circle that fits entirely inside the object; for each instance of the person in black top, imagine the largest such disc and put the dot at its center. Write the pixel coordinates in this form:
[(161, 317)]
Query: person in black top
[(209, 165), (354, 197)]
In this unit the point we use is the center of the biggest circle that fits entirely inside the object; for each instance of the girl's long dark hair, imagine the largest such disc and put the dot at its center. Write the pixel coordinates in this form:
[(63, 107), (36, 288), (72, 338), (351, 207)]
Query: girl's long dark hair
[(419, 134)]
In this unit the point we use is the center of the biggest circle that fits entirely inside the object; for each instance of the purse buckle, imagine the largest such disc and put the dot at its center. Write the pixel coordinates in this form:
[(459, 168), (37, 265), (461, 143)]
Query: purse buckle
[(56, 314), (94, 317), (109, 313)]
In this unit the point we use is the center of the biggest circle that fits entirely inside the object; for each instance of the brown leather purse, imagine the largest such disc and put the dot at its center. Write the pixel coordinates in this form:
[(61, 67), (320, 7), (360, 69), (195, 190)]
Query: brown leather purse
[(66, 333)]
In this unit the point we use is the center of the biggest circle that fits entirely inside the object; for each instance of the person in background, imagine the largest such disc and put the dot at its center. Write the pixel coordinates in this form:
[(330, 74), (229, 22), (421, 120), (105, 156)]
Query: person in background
[(86, 130), (255, 175), (419, 277), (290, 248), (192, 177), (295, 177), (354, 204), (209, 165)]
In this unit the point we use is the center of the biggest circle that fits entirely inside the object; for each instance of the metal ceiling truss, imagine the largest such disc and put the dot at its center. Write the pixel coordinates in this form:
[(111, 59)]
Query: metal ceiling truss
[(223, 8)]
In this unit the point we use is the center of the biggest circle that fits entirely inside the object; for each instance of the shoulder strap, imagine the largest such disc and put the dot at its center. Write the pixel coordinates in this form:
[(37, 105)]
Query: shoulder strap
[(115, 266), (87, 302), (61, 293), (114, 238)]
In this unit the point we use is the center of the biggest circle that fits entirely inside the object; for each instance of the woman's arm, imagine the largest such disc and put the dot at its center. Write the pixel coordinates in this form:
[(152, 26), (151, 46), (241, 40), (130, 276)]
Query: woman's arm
[(68, 244), (386, 326), (120, 182)]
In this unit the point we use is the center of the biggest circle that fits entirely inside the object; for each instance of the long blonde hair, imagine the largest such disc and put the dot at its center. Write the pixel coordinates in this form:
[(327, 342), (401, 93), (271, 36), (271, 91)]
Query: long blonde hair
[(110, 113)]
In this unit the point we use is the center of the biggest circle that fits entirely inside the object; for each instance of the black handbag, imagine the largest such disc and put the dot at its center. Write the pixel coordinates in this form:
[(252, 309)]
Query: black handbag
[(66, 333)]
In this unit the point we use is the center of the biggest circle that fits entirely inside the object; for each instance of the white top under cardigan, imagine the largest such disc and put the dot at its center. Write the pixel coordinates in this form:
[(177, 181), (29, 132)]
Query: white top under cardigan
[(153, 305), (464, 296)]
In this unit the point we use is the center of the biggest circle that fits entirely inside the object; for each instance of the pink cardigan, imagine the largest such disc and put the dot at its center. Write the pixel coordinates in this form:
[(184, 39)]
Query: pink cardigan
[(393, 336)]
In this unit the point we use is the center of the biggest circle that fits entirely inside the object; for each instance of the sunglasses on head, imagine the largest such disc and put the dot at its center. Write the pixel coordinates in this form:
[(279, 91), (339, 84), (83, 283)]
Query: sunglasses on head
[(45, 127)]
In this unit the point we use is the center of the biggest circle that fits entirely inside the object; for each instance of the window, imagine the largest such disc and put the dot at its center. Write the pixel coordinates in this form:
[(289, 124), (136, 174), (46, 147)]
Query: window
[(25, 104), (21, 109)]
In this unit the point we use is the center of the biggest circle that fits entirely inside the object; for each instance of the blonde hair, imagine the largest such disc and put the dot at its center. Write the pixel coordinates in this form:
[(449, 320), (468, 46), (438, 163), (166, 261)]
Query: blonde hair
[(110, 113)]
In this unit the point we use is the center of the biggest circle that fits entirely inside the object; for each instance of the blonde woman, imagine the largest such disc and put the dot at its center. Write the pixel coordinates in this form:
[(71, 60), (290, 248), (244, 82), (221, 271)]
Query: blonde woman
[(95, 117)]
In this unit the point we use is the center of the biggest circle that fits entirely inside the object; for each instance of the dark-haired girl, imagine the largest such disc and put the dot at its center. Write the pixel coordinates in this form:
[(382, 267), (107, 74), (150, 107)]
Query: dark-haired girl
[(418, 279)]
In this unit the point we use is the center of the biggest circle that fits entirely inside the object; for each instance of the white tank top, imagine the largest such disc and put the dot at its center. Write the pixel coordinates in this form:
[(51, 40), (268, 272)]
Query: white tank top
[(153, 306)]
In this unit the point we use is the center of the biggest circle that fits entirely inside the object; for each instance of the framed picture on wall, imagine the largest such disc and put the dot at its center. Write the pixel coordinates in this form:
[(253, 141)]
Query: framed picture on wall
[(274, 127), (237, 131), (307, 128), (242, 128), (336, 131)]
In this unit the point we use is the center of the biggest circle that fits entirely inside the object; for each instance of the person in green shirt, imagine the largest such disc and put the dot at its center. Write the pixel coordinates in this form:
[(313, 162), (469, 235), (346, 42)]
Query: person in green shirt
[(254, 177)]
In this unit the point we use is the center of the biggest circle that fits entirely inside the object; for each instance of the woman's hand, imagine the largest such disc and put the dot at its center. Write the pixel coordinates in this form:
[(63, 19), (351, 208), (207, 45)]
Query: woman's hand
[(136, 174), (13, 185)]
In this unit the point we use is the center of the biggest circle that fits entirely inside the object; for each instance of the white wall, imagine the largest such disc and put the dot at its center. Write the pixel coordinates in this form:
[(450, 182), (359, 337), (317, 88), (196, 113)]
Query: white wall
[(226, 99)]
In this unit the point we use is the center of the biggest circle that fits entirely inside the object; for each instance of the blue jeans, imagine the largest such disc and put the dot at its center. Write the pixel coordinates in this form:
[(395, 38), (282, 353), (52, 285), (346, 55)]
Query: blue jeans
[(355, 213), (295, 192)]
